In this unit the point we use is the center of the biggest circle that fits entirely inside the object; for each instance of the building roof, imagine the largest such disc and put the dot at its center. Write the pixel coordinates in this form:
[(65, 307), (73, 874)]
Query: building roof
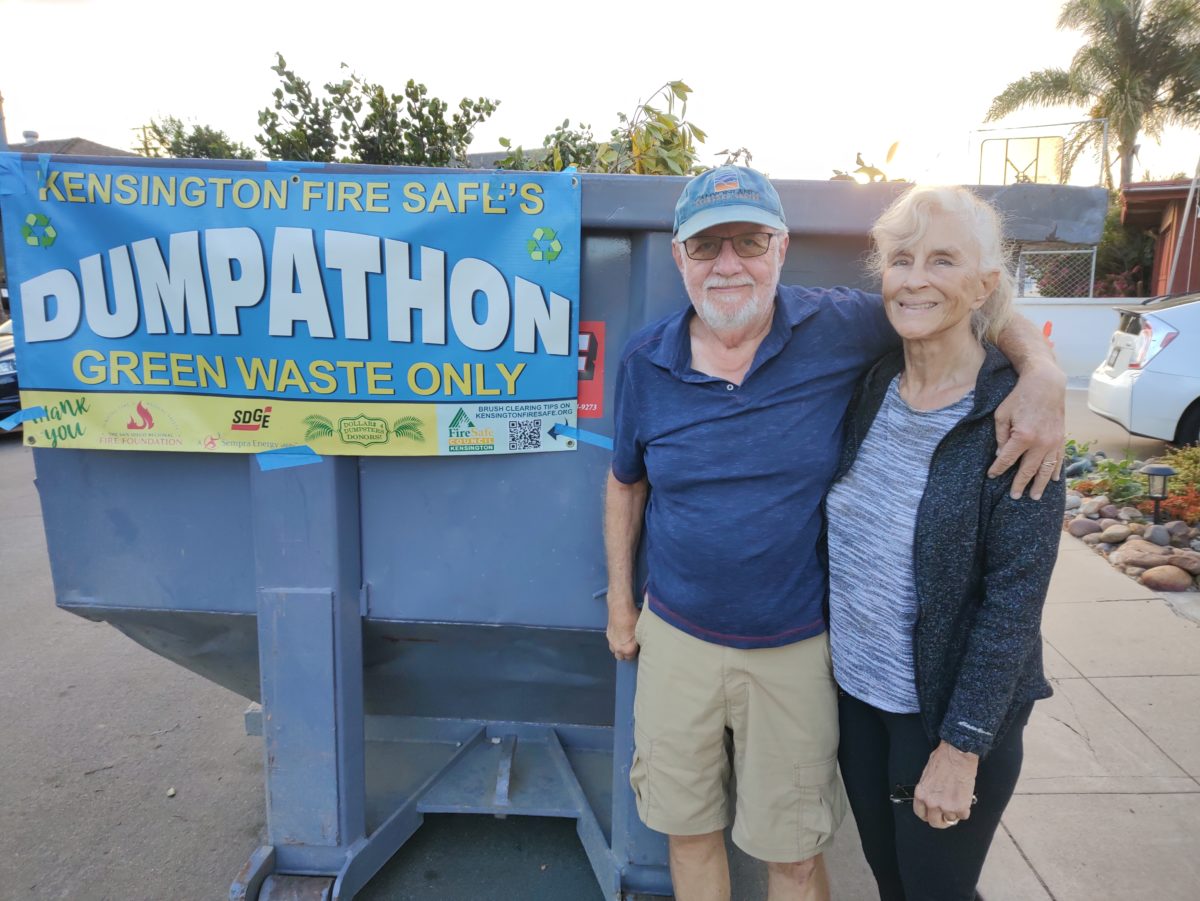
[(71, 146), (1142, 203)]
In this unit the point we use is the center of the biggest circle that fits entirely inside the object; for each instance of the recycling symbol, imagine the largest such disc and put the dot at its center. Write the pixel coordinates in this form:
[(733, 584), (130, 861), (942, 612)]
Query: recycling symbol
[(544, 245), (37, 230)]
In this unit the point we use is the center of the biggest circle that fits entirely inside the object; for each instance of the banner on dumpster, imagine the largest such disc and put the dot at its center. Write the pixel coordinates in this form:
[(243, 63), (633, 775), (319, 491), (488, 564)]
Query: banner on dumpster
[(226, 308)]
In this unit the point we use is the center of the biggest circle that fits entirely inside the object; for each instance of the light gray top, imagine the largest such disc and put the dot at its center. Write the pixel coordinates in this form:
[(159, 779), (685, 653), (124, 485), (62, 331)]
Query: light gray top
[(872, 516)]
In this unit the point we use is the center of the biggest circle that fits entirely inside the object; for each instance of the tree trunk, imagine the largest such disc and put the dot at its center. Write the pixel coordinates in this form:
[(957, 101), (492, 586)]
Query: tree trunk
[(1126, 169), (1126, 148)]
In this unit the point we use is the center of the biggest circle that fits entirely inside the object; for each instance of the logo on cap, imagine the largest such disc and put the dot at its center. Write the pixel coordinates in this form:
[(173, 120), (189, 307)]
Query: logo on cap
[(726, 183)]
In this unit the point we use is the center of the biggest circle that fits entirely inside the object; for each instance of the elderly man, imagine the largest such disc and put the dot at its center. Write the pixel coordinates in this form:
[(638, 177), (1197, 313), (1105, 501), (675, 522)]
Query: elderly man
[(728, 426)]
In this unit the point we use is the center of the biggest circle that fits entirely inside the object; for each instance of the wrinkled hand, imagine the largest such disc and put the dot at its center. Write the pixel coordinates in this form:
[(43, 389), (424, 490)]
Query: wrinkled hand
[(944, 794), (622, 620), (1031, 427)]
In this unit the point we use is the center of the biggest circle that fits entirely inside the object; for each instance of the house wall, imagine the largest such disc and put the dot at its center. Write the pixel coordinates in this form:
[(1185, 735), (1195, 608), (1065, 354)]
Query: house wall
[(1187, 275)]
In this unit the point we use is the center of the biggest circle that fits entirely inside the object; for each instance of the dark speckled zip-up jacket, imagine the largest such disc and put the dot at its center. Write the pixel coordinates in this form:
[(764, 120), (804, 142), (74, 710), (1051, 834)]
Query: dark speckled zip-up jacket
[(982, 563)]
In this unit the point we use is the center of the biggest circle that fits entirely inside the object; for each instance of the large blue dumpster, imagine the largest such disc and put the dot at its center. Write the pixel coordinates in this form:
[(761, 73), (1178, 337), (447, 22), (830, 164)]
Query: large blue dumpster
[(452, 661)]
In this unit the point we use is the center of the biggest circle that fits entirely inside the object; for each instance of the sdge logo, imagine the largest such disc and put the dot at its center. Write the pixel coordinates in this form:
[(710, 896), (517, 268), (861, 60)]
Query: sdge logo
[(251, 420)]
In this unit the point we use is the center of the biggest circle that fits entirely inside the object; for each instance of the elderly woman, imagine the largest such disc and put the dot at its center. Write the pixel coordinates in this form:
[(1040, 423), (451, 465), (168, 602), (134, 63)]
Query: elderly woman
[(937, 574)]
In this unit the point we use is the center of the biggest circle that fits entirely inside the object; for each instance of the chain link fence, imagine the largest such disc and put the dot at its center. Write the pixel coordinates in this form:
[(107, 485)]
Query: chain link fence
[(1056, 273)]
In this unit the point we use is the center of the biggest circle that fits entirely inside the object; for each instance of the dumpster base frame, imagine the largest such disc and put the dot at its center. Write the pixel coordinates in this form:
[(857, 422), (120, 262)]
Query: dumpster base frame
[(470, 767)]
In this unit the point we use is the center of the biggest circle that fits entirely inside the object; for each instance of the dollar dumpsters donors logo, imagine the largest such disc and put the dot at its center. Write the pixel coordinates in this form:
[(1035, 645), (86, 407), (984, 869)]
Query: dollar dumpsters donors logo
[(363, 430), (465, 436)]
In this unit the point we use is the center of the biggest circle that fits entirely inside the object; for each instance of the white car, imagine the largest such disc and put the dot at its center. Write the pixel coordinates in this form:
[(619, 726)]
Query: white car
[(1150, 383)]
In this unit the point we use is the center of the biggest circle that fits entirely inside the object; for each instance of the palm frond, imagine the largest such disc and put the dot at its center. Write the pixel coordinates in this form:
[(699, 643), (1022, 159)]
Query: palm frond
[(408, 427), (318, 427), (1049, 87)]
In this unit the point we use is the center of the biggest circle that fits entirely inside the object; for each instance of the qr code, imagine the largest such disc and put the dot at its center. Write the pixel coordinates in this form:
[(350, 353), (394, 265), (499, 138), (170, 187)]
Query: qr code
[(524, 434)]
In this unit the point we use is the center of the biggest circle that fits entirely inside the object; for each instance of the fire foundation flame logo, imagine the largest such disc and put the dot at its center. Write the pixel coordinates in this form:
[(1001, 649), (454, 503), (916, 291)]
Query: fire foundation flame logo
[(143, 422)]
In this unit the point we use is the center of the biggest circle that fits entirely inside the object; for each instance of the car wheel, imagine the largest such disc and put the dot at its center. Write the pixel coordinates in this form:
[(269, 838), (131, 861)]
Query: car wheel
[(1188, 431)]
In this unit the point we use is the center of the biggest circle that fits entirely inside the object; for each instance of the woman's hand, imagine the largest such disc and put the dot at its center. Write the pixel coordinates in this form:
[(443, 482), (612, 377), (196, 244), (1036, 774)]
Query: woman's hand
[(944, 794)]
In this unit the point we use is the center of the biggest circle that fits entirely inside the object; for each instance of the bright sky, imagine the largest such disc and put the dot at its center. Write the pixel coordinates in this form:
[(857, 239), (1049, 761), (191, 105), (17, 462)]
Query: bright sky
[(804, 86)]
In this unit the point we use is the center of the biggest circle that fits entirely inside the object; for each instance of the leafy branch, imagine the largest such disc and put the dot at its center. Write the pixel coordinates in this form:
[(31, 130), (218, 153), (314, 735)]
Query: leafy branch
[(654, 139), (318, 427), (408, 427)]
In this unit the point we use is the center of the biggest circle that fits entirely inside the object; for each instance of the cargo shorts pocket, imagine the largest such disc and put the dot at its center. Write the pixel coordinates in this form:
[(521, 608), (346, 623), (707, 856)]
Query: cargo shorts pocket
[(822, 804), (639, 774)]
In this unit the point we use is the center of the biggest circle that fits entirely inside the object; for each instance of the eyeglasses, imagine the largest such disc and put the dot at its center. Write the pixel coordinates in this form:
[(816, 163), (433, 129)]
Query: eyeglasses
[(708, 247)]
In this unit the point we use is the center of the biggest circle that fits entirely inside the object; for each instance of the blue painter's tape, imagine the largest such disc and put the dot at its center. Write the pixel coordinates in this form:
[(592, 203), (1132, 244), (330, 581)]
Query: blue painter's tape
[(287, 457), (292, 165), (12, 179), (22, 416), (43, 166), (586, 437)]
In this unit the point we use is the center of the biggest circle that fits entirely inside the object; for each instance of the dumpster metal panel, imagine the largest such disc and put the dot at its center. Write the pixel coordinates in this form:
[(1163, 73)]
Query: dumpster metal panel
[(149, 530)]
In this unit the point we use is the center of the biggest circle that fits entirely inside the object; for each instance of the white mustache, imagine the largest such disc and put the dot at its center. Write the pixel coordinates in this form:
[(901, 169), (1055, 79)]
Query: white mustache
[(716, 281)]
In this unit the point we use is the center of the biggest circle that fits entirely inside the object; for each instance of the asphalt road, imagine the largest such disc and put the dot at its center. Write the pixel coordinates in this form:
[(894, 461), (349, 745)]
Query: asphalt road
[(96, 731)]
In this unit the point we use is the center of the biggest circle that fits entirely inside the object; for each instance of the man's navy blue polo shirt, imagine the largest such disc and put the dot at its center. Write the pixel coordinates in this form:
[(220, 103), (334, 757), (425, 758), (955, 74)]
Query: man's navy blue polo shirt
[(737, 472)]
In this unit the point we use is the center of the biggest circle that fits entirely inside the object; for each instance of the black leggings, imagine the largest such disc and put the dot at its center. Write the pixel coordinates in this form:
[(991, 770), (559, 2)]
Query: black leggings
[(911, 860)]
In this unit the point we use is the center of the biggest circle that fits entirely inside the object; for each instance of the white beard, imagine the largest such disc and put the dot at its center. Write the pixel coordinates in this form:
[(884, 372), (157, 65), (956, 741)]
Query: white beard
[(722, 316)]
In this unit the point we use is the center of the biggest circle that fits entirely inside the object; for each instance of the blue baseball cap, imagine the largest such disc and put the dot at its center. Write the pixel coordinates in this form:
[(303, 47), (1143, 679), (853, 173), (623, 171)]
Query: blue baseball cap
[(727, 194)]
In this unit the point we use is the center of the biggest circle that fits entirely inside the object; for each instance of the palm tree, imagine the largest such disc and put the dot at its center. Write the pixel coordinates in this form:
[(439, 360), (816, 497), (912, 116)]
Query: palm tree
[(1140, 70)]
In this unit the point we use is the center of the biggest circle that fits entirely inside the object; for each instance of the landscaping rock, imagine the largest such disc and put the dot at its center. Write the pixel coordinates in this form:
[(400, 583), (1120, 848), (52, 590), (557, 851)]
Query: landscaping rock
[(1093, 539), (1188, 560), (1106, 521), (1115, 534), (1144, 546), (1166, 578), (1134, 571), (1137, 528), (1196, 544), (1129, 514), (1082, 526), (1110, 511), (1074, 502), (1126, 557), (1093, 506), (1158, 534), (1177, 527)]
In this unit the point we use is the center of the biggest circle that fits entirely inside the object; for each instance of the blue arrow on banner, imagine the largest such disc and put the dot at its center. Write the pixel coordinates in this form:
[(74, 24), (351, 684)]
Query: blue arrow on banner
[(566, 431)]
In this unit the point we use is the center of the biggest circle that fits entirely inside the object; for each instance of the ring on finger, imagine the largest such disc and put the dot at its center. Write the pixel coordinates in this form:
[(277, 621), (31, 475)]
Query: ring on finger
[(950, 821)]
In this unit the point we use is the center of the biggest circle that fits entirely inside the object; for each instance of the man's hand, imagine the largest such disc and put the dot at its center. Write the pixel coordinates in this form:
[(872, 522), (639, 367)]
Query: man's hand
[(624, 505), (622, 620), (1030, 426), (945, 792)]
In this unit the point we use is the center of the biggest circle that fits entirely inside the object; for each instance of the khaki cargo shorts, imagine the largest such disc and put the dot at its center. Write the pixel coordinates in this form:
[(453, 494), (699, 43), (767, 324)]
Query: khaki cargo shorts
[(780, 707)]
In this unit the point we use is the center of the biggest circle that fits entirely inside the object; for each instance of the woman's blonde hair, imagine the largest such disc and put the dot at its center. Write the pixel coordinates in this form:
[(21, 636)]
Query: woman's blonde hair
[(905, 222)]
